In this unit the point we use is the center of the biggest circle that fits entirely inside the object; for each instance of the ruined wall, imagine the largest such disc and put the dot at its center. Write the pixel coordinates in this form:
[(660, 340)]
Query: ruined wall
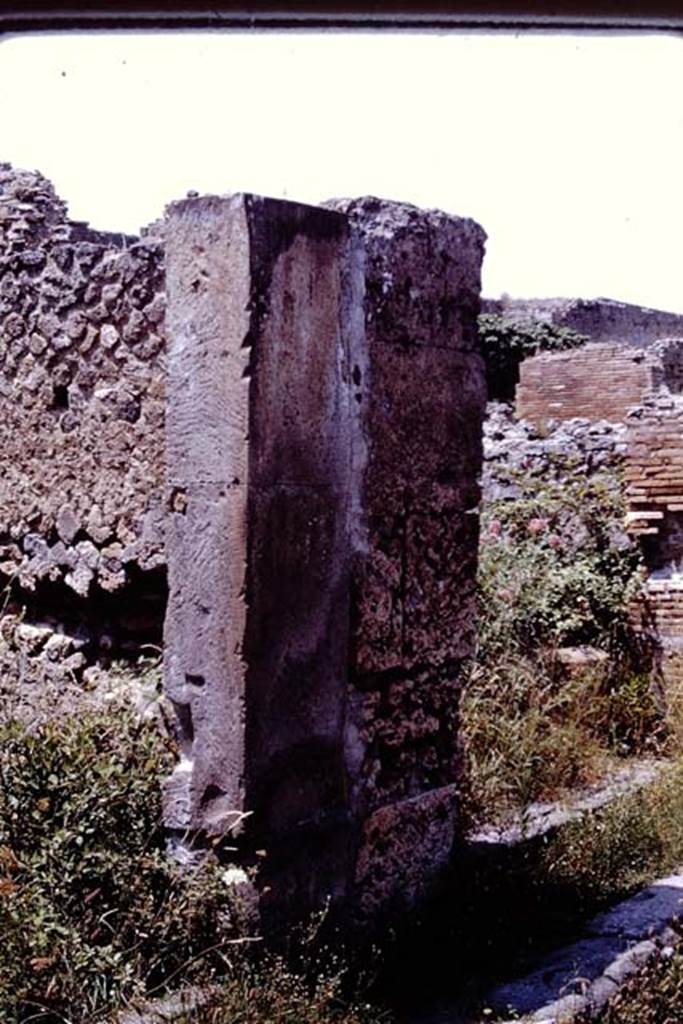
[(81, 431), (324, 444), (515, 450), (81, 395), (306, 465), (421, 400), (603, 320), (597, 382), (654, 475), (639, 392)]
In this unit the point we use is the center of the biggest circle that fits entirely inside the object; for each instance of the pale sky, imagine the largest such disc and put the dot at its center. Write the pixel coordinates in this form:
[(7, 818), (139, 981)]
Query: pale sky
[(567, 148)]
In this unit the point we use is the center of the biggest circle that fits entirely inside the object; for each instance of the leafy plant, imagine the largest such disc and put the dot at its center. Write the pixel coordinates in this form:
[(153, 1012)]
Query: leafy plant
[(506, 343), (92, 912), (555, 570), (94, 916)]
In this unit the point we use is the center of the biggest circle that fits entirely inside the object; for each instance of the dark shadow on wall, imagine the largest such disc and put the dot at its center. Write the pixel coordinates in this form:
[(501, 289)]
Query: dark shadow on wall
[(114, 625)]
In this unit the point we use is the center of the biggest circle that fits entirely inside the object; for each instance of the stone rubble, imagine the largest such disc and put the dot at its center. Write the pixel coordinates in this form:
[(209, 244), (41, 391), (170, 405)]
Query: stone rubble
[(562, 449)]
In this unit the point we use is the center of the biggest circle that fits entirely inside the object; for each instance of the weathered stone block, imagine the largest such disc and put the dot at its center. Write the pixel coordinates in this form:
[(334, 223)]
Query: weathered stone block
[(404, 848), (259, 456), (324, 442), (421, 410)]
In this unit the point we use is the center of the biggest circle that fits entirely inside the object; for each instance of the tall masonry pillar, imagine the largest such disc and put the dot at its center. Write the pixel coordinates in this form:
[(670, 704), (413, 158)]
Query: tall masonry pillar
[(325, 395), (422, 397)]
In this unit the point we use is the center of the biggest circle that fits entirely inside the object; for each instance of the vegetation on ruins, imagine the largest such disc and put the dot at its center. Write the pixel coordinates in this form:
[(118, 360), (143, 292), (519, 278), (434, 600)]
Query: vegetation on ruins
[(270, 992), (609, 853), (506, 343), (557, 571), (93, 913), (547, 891), (653, 995)]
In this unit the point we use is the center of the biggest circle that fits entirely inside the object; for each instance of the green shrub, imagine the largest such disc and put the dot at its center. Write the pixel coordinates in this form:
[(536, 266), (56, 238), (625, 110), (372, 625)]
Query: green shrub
[(94, 916), (506, 343), (92, 913), (555, 570), (555, 567)]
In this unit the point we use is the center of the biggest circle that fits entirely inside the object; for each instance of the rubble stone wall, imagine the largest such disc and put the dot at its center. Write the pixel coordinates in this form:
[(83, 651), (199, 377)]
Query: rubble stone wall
[(515, 449), (81, 395)]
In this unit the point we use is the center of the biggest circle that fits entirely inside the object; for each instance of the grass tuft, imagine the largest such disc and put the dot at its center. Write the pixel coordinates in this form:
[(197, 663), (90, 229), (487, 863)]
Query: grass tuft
[(93, 914), (556, 571)]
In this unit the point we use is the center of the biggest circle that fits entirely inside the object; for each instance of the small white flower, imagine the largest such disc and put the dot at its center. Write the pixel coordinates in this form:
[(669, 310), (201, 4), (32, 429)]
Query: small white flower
[(234, 876)]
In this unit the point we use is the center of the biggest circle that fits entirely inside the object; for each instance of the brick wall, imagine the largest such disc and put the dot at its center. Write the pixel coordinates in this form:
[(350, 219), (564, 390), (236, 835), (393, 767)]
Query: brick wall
[(597, 382), (654, 479)]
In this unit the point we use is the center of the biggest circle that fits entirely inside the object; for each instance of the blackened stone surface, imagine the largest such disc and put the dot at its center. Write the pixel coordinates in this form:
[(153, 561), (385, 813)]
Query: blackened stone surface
[(259, 463)]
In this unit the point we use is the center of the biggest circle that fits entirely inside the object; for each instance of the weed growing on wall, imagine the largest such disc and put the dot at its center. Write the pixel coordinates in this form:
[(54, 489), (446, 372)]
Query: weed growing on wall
[(556, 571), (507, 343)]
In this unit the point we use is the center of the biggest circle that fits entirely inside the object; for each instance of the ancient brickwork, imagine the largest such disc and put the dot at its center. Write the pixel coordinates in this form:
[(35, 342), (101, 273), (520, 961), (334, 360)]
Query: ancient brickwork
[(81, 395), (654, 477), (603, 320), (655, 471), (597, 382), (324, 445), (654, 474)]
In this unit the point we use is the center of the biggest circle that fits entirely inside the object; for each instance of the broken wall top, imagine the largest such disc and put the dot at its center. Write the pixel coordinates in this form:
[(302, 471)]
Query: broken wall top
[(81, 394), (601, 319)]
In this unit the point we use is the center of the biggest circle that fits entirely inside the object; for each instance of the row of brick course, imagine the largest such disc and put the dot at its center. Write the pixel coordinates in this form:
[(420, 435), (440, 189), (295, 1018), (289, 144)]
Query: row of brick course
[(598, 382), (654, 469), (654, 490)]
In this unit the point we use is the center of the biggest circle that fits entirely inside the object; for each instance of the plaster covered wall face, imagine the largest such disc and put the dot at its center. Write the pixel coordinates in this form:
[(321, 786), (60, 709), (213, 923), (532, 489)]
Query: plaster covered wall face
[(81, 395)]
